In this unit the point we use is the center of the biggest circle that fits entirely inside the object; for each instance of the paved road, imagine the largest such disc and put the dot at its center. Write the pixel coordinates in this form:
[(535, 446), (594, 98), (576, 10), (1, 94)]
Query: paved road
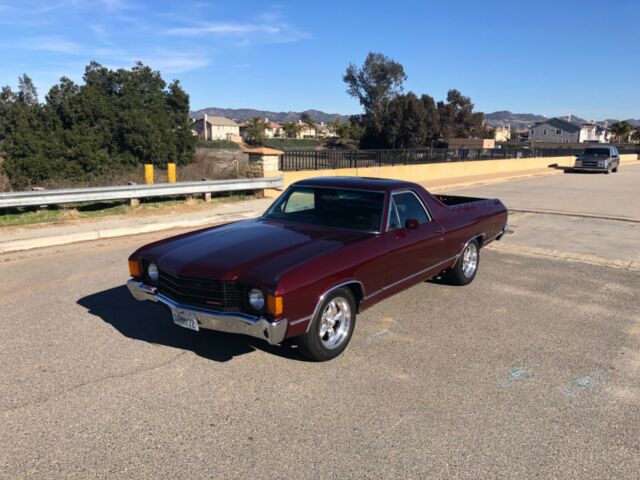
[(531, 371), (614, 195), (570, 203)]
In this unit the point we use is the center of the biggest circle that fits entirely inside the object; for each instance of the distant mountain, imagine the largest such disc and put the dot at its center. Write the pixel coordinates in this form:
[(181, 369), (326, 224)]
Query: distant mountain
[(243, 114), (634, 122), (504, 117), (518, 120)]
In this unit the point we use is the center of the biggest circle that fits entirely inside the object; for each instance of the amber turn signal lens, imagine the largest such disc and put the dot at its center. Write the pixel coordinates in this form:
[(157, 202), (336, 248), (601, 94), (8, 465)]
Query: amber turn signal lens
[(274, 305), (135, 268)]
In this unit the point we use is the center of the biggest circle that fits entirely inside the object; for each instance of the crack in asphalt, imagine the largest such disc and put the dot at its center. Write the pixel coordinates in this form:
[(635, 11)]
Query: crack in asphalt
[(93, 382), (575, 214)]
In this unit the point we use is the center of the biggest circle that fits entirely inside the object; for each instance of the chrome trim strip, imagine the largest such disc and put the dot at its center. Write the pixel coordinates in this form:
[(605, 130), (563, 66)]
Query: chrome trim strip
[(415, 194), (231, 322), (391, 285), (315, 310), (499, 235), (300, 320)]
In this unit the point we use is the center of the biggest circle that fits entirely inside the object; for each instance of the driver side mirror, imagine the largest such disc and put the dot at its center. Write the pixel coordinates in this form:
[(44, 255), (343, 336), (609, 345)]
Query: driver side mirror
[(411, 224)]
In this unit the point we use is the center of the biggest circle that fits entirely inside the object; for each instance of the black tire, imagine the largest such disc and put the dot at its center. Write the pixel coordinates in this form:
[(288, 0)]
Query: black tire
[(615, 170), (313, 345), (608, 171), (459, 274)]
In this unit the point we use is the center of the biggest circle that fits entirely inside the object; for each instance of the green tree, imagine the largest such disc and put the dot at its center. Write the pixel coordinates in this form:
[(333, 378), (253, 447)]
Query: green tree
[(406, 122), (432, 119), (458, 119), (621, 131), (255, 131), (375, 85), (307, 120), (115, 121), (292, 129)]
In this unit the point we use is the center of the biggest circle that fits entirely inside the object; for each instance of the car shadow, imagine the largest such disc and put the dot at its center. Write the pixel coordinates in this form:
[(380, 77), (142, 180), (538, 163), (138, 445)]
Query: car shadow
[(151, 322), (555, 166)]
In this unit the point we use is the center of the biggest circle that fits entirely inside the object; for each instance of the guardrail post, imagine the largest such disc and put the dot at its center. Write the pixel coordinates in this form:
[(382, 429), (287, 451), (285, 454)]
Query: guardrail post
[(148, 174), (171, 172), (264, 162)]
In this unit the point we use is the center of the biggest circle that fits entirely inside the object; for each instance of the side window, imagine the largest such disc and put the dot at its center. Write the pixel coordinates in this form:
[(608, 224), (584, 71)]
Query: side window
[(394, 221), (408, 206), (299, 200)]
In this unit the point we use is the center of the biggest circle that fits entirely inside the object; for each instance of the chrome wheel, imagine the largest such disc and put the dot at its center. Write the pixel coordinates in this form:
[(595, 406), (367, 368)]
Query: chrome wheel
[(335, 323), (470, 260)]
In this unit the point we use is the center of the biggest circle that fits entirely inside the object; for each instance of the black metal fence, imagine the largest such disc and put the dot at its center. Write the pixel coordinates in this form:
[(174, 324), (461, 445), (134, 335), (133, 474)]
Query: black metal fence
[(331, 159)]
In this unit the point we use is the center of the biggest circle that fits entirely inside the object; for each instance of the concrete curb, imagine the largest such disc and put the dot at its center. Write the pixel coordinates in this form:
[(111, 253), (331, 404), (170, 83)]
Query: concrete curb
[(97, 234)]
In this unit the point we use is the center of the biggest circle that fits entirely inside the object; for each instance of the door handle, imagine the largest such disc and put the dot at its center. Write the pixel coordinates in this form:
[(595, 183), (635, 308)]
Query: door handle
[(440, 230)]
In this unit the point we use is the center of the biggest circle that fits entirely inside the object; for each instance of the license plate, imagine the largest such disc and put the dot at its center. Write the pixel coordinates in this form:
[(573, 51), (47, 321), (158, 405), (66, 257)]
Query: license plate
[(185, 319)]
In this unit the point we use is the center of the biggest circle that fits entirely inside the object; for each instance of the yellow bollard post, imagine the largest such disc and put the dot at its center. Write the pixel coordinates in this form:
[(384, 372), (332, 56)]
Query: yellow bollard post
[(148, 173), (171, 172)]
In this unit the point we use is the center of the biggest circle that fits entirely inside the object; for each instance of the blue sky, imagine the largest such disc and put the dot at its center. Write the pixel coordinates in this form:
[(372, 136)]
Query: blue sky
[(546, 57)]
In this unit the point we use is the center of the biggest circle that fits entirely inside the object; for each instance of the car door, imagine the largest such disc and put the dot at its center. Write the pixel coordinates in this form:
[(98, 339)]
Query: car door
[(410, 251), (615, 154)]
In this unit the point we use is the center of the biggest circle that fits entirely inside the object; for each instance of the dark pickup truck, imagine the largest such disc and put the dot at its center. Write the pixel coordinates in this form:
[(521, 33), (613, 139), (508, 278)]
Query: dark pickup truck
[(326, 249)]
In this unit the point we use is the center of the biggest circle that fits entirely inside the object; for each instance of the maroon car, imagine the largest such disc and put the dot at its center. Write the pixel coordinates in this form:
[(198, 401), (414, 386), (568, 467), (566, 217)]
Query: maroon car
[(326, 249)]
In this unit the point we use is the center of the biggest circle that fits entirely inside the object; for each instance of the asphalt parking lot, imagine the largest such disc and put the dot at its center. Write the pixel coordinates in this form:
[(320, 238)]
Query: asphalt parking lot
[(532, 371)]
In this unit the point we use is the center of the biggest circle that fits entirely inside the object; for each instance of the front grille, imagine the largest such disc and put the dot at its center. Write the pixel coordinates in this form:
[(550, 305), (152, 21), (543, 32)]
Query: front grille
[(217, 295), (591, 164)]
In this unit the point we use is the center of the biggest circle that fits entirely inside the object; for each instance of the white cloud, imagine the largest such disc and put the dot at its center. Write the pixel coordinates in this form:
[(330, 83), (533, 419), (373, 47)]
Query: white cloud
[(267, 28), (175, 62), (52, 44), (230, 28)]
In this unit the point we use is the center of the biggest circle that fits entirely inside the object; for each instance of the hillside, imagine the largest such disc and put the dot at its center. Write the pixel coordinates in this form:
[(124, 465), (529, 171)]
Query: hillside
[(503, 117), (243, 114), (517, 120)]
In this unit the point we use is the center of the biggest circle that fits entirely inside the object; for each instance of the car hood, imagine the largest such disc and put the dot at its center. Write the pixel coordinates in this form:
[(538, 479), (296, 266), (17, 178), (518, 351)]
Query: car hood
[(258, 251)]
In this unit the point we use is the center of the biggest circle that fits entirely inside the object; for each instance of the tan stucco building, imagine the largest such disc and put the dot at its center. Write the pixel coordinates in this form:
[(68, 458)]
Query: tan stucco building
[(216, 128)]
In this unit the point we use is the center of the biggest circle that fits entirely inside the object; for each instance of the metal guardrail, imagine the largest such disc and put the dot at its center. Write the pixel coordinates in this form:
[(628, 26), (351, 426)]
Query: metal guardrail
[(74, 195)]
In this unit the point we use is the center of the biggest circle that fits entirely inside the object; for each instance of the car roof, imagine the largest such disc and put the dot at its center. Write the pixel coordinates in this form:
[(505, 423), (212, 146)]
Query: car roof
[(363, 183)]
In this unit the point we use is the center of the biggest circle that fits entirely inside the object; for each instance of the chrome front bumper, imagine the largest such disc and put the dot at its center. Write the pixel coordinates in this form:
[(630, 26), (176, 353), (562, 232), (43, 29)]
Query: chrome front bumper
[(230, 322), (589, 169)]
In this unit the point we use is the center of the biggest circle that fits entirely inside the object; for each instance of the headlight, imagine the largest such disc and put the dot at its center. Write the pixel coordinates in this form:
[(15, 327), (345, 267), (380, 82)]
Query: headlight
[(152, 272), (256, 299)]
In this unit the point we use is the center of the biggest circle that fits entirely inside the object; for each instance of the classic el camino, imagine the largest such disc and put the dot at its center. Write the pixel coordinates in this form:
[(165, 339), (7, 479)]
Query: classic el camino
[(325, 250)]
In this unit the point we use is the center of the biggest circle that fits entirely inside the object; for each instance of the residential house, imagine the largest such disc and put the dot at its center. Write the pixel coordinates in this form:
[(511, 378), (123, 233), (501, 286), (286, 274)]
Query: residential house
[(555, 130), (216, 128), (325, 131), (307, 131), (273, 129), (593, 133), (502, 133)]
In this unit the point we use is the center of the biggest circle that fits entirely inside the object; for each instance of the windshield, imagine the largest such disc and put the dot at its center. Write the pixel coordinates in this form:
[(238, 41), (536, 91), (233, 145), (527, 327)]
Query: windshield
[(330, 207), (596, 152)]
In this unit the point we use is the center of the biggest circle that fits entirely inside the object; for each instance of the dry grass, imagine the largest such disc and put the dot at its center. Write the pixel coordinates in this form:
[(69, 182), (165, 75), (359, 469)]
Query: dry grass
[(209, 163), (214, 164), (70, 214)]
